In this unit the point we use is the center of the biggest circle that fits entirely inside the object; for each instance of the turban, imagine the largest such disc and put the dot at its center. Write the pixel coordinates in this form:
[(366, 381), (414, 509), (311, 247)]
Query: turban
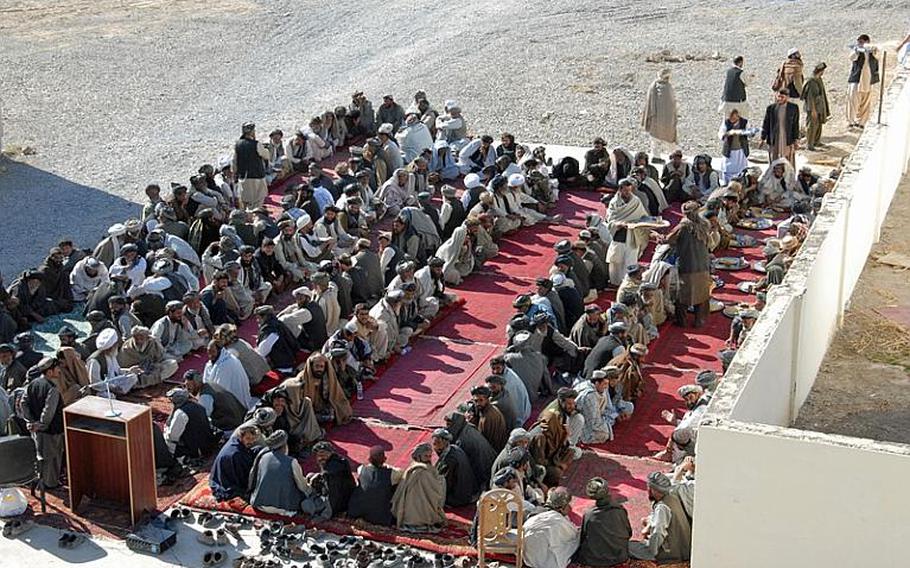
[(682, 436), (442, 434), (178, 396), (685, 390), (420, 450), (302, 292), (518, 457), (706, 379), (618, 326), (597, 489), (610, 371), (519, 435), (323, 446), (264, 417), (639, 349), (278, 439), (559, 497), (516, 180), (106, 339), (504, 476), (659, 482), (566, 393)]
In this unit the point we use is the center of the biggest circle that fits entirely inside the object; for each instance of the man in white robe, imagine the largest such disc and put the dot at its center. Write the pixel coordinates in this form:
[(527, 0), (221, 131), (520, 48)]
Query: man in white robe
[(627, 243), (103, 365), (414, 137), (226, 371), (550, 537), (87, 275)]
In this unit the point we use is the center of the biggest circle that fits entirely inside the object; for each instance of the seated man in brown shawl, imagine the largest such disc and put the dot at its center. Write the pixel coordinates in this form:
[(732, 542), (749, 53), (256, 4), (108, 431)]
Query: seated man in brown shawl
[(549, 445), (421, 495), (318, 383), (630, 375), (487, 418), (145, 351)]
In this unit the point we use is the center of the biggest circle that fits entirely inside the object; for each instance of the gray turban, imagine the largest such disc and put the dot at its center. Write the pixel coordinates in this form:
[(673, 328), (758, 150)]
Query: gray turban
[(519, 435), (420, 450), (442, 434), (278, 439), (659, 482), (178, 396), (706, 379), (559, 497), (566, 393), (265, 417), (504, 476)]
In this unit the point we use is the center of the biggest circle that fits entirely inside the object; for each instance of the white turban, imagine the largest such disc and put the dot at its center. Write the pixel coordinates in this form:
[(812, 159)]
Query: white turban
[(472, 180), (516, 180), (303, 221), (106, 339)]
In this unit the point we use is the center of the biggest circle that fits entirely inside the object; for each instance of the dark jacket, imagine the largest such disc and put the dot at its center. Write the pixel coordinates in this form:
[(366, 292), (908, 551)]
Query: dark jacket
[(372, 499), (770, 127), (605, 534)]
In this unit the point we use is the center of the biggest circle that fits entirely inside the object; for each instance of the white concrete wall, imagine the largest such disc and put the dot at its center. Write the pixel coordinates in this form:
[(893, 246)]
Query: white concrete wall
[(769, 495), (784, 501)]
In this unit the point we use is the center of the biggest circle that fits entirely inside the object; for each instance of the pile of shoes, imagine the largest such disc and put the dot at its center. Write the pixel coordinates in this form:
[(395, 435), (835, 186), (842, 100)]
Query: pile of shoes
[(282, 544)]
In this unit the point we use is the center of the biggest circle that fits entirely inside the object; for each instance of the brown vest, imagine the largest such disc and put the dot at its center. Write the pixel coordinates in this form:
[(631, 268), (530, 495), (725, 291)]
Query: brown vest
[(678, 543)]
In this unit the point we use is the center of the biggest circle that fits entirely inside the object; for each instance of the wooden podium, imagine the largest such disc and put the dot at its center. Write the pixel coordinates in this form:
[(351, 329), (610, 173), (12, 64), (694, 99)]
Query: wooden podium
[(110, 457)]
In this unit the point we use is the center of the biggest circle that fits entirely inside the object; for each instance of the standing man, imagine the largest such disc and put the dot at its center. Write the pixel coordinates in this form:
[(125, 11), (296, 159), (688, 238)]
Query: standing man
[(815, 98), (43, 409), (734, 95), (780, 129), (863, 74), (250, 157), (660, 115)]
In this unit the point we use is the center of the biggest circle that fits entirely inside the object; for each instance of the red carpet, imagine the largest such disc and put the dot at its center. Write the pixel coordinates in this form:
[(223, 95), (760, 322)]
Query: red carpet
[(426, 383)]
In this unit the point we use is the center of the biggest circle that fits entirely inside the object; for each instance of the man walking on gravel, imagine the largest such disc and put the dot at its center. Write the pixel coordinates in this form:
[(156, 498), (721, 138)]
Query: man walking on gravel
[(816, 101), (250, 157)]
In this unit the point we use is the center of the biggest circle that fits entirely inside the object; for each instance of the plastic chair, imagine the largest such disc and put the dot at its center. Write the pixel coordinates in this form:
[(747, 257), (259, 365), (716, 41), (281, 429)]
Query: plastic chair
[(500, 525), (18, 461)]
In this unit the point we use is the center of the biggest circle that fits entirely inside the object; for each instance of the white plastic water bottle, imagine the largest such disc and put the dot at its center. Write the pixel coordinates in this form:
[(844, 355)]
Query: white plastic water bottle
[(359, 390)]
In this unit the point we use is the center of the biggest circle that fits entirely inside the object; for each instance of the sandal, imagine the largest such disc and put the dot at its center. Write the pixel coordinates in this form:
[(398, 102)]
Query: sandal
[(221, 538), (14, 528), (206, 537)]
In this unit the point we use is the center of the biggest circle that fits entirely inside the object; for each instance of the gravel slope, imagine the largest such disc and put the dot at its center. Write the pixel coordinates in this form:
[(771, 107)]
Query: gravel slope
[(116, 94)]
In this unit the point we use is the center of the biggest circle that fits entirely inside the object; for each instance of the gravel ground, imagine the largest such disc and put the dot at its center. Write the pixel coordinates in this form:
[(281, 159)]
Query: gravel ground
[(862, 386), (113, 94)]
